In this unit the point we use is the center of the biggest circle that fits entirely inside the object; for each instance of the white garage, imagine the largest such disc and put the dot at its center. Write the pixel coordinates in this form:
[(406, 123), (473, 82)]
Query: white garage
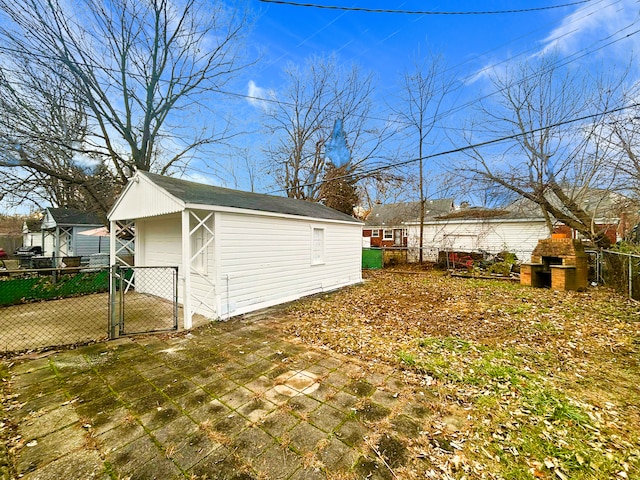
[(235, 251)]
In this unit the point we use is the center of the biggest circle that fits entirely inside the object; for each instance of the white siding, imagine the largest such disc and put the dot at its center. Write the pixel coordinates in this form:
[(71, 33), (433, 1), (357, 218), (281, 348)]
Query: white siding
[(32, 239), (517, 236), (266, 261), (48, 248), (254, 261), (158, 243)]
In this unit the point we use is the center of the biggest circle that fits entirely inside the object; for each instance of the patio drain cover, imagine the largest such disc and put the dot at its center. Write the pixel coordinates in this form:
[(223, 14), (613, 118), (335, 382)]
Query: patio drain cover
[(294, 383)]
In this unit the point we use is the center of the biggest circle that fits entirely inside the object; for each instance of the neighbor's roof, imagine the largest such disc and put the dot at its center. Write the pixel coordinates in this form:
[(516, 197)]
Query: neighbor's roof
[(201, 194), (33, 225), (596, 202), (475, 213), (72, 216), (394, 214)]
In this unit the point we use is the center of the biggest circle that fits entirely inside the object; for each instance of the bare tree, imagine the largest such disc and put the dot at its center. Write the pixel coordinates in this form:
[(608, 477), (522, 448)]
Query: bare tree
[(40, 128), (422, 95), (550, 160), (139, 71), (301, 119), (621, 133)]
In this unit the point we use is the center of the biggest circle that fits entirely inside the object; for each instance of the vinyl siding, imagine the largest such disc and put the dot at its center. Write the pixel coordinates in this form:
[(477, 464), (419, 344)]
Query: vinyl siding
[(519, 237), (86, 244), (266, 261), (158, 244), (254, 261), (159, 241)]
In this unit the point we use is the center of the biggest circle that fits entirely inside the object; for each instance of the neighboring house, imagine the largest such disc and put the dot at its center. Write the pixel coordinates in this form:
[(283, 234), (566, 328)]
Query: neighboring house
[(612, 213), (516, 228), (235, 251), (475, 229), (32, 233), (61, 232), (385, 224)]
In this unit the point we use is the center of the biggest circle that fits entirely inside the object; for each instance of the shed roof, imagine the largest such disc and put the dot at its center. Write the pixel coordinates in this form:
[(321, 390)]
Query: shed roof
[(33, 225), (72, 216), (200, 194), (394, 214)]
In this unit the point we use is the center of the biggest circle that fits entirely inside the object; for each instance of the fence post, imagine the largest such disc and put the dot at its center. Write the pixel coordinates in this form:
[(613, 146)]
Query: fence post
[(630, 278), (113, 292)]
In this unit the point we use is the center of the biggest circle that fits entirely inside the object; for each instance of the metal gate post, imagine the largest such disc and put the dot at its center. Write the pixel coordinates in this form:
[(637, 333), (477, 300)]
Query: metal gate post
[(175, 298), (113, 291), (123, 279)]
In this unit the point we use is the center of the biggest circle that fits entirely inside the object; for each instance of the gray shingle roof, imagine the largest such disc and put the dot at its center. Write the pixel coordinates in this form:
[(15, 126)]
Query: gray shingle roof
[(71, 216), (394, 214), (33, 225), (198, 193), (596, 202)]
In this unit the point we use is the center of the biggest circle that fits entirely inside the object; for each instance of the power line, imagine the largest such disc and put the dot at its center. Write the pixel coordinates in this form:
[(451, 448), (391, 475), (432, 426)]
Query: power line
[(560, 62), (423, 12), (513, 136)]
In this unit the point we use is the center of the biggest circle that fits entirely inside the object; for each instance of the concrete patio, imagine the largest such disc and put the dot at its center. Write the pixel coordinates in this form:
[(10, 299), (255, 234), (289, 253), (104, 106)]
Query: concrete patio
[(235, 400)]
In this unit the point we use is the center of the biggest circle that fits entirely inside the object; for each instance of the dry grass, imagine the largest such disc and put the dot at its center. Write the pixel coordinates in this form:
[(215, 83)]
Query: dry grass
[(526, 383)]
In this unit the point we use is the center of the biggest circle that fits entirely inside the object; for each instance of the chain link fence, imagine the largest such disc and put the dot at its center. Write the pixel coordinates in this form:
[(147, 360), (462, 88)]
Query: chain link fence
[(48, 307), (145, 300), (621, 271)]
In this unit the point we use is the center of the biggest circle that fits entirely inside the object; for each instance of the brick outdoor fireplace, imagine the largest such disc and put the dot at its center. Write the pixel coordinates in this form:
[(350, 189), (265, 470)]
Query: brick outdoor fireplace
[(557, 263)]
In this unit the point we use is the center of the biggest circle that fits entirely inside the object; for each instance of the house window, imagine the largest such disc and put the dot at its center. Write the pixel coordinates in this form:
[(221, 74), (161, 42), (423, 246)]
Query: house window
[(317, 246), (387, 234), (375, 233), (405, 232)]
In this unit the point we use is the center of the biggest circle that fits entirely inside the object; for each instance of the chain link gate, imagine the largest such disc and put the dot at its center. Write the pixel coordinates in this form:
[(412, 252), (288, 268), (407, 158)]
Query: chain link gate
[(142, 300)]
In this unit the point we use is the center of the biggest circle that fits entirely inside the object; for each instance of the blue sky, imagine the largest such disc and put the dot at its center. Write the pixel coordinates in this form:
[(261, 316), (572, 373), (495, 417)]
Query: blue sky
[(595, 32), (384, 42), (590, 34)]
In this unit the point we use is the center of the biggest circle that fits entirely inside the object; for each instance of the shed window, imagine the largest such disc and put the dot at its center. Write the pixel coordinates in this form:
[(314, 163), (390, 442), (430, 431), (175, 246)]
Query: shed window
[(388, 234), (317, 247), (375, 233)]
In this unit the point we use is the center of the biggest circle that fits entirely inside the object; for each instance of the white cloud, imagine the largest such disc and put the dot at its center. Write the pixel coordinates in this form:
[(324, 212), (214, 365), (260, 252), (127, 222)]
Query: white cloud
[(598, 30), (596, 25), (258, 96)]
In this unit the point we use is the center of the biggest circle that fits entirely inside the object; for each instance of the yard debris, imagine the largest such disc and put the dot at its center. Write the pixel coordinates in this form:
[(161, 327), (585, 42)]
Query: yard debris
[(522, 371)]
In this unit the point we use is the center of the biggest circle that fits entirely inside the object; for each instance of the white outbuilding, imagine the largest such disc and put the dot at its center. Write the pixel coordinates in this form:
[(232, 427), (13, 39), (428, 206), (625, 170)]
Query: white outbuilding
[(235, 251)]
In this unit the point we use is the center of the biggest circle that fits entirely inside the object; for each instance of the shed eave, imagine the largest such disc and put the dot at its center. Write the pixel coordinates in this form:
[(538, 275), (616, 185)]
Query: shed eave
[(115, 214), (245, 211)]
